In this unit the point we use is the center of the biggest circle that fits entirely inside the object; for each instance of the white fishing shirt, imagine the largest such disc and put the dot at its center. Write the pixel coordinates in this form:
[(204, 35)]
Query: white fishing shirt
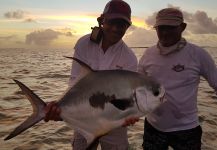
[(117, 56), (179, 72)]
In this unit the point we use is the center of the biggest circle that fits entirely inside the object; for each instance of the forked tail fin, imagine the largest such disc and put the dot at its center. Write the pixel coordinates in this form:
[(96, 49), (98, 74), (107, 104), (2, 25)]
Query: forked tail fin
[(38, 111)]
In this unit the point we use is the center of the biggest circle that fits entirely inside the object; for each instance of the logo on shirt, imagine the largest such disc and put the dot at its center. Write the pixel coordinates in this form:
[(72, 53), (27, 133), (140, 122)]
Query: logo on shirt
[(178, 68), (119, 67)]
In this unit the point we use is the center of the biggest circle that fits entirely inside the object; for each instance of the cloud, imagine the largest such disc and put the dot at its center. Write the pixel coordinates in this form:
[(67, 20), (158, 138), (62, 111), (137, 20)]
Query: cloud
[(197, 23), (67, 31), (203, 39), (19, 42), (200, 23), (146, 37), (44, 37), (215, 20), (7, 37), (18, 14), (151, 19), (29, 20), (68, 34)]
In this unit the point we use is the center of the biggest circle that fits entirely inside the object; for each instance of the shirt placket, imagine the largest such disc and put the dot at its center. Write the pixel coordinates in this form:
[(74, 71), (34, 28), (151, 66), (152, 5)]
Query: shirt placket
[(104, 59)]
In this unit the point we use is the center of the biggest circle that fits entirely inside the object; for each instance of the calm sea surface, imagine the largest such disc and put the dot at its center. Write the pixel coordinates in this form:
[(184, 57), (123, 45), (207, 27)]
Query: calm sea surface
[(47, 72)]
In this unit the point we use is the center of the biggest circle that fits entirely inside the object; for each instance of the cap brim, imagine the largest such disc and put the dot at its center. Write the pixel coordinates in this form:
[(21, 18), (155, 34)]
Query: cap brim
[(118, 16), (168, 23)]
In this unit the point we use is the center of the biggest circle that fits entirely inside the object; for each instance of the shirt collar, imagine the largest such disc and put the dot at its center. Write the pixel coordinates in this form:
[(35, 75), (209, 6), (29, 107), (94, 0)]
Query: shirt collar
[(112, 47), (174, 48)]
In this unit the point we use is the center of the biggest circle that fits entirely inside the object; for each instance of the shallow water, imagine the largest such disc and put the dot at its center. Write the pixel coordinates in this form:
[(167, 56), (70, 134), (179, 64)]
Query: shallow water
[(47, 72)]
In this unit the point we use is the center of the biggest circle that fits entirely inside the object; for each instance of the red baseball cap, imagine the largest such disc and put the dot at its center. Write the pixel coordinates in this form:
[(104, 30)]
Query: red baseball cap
[(115, 9)]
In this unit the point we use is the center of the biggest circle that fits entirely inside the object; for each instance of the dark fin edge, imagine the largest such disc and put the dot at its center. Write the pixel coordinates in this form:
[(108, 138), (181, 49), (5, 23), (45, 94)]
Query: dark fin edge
[(37, 115), (81, 63)]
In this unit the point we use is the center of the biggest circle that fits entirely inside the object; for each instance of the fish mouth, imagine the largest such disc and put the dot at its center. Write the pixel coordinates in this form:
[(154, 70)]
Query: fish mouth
[(162, 98)]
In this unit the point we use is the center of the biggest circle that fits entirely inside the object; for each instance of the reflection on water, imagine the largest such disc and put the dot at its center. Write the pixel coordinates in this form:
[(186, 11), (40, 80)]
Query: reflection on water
[(47, 73)]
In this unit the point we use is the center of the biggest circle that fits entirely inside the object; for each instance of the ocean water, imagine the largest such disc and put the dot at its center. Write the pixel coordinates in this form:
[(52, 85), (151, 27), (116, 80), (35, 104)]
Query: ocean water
[(47, 72)]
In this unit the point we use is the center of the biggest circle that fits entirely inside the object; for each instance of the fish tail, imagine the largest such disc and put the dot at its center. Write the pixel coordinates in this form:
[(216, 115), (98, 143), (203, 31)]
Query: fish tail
[(38, 111)]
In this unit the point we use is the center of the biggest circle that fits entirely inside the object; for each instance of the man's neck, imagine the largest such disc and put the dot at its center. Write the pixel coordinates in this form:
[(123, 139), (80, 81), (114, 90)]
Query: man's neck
[(106, 44), (170, 49)]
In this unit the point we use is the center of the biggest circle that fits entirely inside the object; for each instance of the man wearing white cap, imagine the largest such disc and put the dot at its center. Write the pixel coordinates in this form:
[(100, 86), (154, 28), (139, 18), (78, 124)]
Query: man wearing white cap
[(103, 50), (177, 65)]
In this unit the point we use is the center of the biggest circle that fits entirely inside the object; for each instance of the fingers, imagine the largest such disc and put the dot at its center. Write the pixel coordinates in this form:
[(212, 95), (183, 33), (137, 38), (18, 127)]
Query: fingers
[(52, 112)]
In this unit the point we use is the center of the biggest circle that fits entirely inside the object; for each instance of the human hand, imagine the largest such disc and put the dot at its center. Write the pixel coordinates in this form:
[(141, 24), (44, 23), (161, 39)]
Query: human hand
[(52, 112), (130, 121)]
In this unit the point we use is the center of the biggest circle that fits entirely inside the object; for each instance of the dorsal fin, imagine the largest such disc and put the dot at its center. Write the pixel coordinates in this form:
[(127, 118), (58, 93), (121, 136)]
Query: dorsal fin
[(85, 68), (83, 64)]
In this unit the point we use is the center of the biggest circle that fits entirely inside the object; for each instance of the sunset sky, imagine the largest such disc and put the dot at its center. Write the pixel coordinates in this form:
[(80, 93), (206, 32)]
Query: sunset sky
[(59, 23)]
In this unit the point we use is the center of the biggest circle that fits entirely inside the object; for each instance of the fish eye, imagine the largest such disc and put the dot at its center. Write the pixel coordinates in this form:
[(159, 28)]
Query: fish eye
[(156, 92)]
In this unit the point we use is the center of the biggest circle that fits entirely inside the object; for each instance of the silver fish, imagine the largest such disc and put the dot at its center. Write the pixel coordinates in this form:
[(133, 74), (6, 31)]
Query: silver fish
[(99, 102)]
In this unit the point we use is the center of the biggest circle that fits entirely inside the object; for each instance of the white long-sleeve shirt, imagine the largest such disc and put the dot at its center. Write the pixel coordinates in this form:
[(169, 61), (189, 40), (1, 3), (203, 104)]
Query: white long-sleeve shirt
[(179, 73), (117, 56)]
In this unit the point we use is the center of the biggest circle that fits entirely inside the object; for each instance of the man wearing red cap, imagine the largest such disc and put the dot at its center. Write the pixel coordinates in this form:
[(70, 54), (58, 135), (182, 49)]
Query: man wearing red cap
[(104, 51), (177, 65)]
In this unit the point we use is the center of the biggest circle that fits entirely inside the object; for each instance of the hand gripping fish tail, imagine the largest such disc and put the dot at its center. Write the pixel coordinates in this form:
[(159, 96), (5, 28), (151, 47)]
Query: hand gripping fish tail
[(37, 115)]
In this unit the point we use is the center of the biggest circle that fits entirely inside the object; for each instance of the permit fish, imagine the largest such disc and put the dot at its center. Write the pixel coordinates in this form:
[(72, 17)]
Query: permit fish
[(99, 101)]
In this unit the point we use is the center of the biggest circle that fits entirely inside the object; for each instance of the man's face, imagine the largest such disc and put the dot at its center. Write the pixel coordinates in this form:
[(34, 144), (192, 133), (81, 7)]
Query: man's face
[(169, 35), (114, 29)]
